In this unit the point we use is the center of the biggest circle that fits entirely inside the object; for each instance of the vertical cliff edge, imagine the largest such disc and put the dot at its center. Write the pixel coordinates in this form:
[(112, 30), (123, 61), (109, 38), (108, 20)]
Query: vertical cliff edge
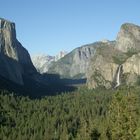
[(15, 62)]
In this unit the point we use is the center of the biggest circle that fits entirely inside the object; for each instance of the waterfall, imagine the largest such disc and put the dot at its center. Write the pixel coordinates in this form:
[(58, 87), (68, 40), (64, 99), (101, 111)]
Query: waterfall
[(118, 76)]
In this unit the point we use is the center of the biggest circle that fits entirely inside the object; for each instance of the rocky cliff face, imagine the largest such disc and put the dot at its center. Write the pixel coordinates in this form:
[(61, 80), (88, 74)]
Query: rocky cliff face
[(131, 69), (14, 58), (128, 38), (75, 63), (103, 68)]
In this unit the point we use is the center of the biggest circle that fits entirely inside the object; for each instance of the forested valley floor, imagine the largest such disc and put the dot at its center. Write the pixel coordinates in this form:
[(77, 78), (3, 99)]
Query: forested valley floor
[(81, 115)]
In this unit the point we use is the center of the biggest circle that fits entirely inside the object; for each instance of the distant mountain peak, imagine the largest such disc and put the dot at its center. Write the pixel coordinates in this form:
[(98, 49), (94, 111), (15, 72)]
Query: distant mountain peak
[(42, 61), (104, 41)]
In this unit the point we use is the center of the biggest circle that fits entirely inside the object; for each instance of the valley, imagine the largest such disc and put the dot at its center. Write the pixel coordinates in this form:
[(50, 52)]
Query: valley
[(84, 114), (90, 93)]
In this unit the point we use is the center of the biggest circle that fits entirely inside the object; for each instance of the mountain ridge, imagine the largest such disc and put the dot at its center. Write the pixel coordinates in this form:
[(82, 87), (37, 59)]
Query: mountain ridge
[(76, 62), (98, 61)]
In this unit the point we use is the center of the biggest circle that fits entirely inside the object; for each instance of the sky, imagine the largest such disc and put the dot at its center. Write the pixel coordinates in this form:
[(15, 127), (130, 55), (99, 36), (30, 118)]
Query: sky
[(51, 26)]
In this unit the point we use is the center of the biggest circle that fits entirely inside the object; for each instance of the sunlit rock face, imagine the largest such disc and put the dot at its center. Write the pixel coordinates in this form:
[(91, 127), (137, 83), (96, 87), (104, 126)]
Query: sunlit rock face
[(75, 63), (128, 38), (8, 39), (103, 68), (132, 69), (14, 58)]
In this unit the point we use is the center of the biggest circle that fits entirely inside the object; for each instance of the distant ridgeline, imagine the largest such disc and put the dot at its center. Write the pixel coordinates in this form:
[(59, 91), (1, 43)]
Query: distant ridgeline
[(42, 62)]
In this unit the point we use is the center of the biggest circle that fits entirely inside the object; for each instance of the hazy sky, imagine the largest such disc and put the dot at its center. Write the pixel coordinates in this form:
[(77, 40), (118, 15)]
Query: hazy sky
[(49, 26)]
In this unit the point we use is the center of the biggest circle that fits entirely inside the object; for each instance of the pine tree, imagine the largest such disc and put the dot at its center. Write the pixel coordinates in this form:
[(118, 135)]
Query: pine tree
[(123, 114)]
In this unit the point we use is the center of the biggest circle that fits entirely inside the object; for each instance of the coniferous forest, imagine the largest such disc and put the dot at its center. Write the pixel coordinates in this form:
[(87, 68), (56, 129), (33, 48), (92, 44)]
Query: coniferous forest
[(81, 115), (70, 70)]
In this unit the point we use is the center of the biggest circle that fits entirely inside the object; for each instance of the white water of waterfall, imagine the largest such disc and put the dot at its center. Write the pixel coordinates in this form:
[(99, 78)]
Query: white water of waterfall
[(118, 77)]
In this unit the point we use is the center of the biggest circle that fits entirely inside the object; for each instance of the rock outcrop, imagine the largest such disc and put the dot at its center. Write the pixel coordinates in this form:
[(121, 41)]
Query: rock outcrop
[(128, 38), (14, 58), (131, 69), (104, 67)]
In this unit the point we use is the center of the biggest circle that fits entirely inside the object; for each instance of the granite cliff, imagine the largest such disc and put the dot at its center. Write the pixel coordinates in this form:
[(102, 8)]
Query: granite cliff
[(122, 60), (128, 38), (75, 63), (15, 62)]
